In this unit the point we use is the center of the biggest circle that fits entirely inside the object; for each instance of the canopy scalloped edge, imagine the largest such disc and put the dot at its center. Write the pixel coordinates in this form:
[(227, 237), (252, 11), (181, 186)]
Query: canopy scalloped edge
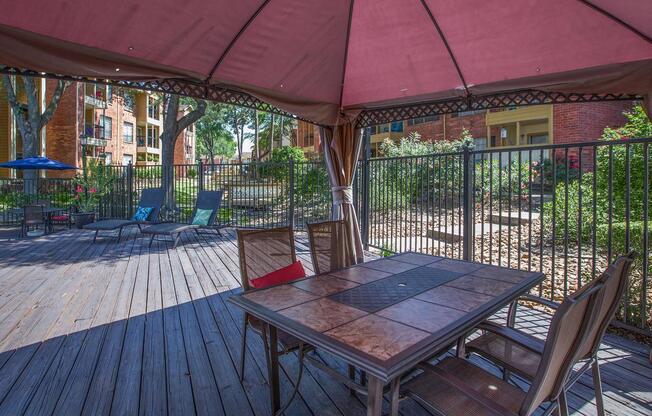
[(365, 118)]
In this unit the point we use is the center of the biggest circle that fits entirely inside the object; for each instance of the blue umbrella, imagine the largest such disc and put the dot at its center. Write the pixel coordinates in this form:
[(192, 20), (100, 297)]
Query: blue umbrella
[(37, 162)]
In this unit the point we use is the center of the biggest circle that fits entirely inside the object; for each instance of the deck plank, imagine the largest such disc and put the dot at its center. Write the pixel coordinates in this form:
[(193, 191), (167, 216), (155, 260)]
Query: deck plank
[(126, 329)]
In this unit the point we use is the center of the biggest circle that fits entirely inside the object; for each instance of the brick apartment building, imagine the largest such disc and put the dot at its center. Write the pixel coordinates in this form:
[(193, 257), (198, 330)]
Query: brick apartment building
[(519, 126), (116, 127)]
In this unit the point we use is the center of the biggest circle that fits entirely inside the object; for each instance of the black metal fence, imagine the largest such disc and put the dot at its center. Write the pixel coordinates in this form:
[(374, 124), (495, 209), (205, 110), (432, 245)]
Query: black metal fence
[(564, 210), (263, 194)]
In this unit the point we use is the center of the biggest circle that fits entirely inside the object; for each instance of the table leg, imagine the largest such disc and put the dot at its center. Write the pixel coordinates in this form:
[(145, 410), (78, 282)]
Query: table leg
[(374, 396), (272, 369), (393, 396)]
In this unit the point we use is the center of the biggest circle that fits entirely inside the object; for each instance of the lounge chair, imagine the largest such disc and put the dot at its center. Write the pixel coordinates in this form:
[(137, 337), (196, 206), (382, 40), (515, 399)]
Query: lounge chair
[(149, 198), (206, 200)]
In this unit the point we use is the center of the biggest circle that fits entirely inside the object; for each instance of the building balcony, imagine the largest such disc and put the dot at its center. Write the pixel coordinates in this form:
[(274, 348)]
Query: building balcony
[(147, 145), (95, 99), (530, 113)]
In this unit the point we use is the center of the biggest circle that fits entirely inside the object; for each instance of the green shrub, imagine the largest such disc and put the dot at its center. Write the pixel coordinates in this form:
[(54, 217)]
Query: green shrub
[(499, 182), (191, 173)]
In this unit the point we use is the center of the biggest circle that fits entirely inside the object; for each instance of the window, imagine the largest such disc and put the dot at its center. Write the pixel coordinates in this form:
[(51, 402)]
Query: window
[(468, 113), (479, 143), (109, 93), (106, 124), (128, 132), (152, 136), (108, 158), (127, 159), (396, 126), (152, 108), (421, 120), (537, 139), (129, 101)]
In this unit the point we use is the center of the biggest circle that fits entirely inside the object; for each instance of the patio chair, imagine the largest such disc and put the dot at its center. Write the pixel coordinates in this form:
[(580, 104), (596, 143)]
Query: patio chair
[(262, 252), (330, 247), (519, 353), (33, 216), (207, 201), (60, 218), (455, 386), (149, 198)]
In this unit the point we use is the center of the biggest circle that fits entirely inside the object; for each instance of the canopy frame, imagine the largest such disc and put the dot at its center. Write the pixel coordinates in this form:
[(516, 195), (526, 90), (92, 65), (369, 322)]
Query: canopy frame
[(366, 117)]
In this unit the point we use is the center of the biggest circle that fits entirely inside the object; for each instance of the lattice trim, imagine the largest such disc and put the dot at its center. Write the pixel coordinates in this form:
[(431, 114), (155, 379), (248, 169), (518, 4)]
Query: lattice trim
[(515, 98), (174, 86)]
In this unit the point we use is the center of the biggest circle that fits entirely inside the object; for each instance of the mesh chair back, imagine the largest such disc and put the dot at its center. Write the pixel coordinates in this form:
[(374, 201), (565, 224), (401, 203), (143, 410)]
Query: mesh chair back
[(568, 330), (614, 281), (208, 200), (152, 197), (43, 202), (33, 214), (330, 246), (264, 251)]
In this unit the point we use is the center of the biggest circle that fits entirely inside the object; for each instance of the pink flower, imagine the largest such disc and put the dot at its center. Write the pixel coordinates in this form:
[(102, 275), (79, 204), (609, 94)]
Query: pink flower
[(79, 189), (92, 190)]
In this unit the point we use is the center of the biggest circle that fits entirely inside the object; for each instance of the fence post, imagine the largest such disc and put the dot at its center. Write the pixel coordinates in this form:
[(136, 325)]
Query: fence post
[(200, 175), (291, 206), (130, 189), (467, 205), (365, 189)]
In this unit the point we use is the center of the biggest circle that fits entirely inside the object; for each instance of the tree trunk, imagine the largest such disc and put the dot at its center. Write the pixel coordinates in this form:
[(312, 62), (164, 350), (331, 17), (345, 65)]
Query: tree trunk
[(271, 136), (31, 121), (172, 128)]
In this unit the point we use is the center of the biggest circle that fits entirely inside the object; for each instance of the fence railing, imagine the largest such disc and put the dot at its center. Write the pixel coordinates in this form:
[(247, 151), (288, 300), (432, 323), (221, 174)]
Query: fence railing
[(263, 194), (565, 210)]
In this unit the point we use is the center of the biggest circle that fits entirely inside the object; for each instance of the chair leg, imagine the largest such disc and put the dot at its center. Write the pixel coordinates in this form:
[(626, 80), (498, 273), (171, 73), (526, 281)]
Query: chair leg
[(151, 240), (95, 236), (597, 386), (563, 404), (119, 234), (351, 377), (461, 347), (242, 349), (176, 240)]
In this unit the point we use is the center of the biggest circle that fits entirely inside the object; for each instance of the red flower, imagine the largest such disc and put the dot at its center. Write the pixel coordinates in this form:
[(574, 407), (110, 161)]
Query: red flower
[(92, 190), (79, 189)]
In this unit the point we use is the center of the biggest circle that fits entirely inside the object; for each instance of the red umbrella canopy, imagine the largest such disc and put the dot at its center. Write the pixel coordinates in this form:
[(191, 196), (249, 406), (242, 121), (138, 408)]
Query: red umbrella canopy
[(317, 58)]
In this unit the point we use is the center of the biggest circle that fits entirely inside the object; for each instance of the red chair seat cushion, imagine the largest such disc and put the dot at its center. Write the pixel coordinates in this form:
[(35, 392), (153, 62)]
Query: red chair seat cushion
[(60, 218), (287, 274)]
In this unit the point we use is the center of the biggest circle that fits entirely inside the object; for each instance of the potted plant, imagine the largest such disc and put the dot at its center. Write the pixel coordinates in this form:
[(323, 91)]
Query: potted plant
[(86, 199), (90, 187)]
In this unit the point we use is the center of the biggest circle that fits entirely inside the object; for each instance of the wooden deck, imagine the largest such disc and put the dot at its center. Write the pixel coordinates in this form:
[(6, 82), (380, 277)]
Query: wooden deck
[(127, 329)]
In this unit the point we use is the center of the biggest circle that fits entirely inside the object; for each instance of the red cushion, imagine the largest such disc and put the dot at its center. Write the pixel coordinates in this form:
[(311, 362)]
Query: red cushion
[(287, 274), (59, 218)]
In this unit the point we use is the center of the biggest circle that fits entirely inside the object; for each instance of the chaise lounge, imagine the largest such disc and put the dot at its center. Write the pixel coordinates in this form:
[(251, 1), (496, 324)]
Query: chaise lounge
[(149, 208), (203, 216)]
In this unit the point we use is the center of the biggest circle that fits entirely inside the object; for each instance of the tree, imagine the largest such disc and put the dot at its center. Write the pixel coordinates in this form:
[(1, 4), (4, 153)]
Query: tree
[(30, 120), (213, 136), (238, 118), (172, 128)]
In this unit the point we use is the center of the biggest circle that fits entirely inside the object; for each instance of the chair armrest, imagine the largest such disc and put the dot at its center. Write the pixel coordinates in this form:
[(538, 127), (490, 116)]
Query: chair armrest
[(511, 313), (545, 302), (512, 335)]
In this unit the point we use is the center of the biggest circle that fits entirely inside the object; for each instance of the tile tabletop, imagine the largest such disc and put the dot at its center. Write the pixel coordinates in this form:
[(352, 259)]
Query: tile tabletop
[(389, 310)]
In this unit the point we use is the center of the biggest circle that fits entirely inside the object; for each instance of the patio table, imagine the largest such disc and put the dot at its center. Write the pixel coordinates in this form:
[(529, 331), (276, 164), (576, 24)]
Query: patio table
[(47, 212), (387, 315)]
